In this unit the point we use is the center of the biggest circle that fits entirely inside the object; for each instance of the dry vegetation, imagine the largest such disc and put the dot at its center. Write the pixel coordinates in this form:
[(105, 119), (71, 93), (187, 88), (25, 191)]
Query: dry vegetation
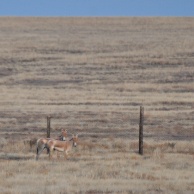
[(91, 75)]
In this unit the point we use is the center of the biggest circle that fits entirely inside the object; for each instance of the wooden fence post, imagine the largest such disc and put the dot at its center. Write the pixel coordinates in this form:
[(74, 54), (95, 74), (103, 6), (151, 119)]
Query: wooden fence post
[(141, 120), (48, 126)]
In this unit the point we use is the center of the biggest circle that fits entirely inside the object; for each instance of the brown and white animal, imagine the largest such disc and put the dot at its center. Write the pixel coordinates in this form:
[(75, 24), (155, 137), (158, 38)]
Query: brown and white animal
[(63, 136), (62, 146), (42, 143)]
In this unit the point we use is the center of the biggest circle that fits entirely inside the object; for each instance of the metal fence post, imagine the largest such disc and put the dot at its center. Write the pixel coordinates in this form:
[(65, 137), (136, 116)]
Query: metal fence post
[(141, 120), (48, 126)]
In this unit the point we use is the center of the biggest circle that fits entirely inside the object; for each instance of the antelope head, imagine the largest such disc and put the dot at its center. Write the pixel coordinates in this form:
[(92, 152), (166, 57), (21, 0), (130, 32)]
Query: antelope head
[(75, 140)]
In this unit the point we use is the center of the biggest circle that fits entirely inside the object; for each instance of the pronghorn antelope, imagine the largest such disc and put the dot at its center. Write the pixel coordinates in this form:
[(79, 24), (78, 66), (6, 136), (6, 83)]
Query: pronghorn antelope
[(42, 143), (63, 135), (62, 146)]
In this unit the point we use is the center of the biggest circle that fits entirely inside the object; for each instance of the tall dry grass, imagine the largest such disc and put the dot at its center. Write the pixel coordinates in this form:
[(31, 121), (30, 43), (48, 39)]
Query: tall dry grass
[(93, 74), (102, 166)]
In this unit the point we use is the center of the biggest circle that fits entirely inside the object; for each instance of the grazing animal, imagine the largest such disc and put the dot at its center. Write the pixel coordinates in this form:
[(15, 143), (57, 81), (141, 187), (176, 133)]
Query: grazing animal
[(62, 146), (42, 143), (30, 142)]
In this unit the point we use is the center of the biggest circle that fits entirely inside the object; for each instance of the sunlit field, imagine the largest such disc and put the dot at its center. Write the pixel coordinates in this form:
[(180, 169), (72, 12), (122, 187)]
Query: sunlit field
[(91, 75)]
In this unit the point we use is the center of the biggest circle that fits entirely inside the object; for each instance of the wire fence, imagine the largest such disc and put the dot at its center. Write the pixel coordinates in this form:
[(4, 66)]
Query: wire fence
[(118, 126), (134, 126)]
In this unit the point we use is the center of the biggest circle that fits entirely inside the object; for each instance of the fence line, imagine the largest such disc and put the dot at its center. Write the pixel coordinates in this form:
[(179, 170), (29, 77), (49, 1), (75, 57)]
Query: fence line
[(139, 136), (140, 129)]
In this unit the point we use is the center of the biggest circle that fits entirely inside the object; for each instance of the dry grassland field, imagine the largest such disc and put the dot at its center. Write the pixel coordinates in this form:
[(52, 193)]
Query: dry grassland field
[(91, 75)]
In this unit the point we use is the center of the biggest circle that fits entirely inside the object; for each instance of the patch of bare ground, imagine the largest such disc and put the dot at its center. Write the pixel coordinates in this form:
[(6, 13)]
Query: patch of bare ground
[(91, 75)]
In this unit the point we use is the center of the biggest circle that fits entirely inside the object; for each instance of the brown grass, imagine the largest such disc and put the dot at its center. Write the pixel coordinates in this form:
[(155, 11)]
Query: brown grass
[(108, 167), (91, 75)]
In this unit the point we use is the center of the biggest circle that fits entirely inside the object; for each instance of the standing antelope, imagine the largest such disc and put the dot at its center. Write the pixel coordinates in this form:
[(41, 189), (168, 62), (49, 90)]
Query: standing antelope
[(42, 143), (62, 146), (63, 136)]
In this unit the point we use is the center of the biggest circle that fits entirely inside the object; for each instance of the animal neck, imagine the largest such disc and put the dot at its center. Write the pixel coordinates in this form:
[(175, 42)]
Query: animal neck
[(72, 142)]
